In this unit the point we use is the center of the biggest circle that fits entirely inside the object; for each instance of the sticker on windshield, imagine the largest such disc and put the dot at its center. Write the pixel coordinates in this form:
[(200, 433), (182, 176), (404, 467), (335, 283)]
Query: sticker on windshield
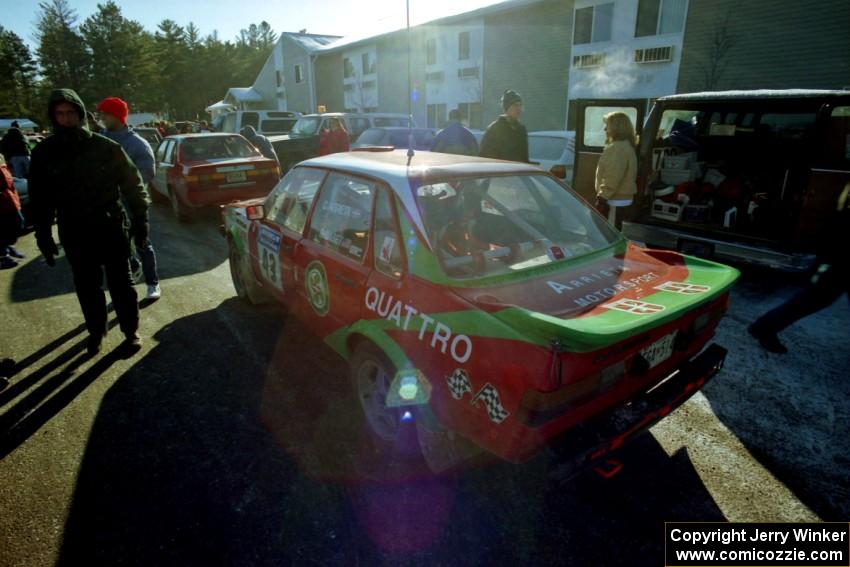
[(683, 288), (387, 249), (635, 306), (316, 282), (268, 243)]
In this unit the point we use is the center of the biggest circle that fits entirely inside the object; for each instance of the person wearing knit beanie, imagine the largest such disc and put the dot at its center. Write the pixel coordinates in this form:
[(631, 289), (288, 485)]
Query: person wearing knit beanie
[(116, 107), (506, 138)]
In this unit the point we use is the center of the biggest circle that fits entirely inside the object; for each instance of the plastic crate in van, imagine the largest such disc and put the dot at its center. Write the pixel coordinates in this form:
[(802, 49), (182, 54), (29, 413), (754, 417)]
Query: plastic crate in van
[(676, 176), (667, 211)]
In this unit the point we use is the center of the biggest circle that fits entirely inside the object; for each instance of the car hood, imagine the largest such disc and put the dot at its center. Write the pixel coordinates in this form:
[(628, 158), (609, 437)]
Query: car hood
[(606, 299)]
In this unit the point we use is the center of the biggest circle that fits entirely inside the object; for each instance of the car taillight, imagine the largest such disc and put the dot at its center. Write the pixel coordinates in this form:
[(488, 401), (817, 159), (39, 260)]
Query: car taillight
[(559, 171)]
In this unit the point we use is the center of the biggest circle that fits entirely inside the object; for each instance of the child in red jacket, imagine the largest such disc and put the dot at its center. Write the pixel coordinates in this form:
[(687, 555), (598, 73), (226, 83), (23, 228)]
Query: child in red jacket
[(11, 219)]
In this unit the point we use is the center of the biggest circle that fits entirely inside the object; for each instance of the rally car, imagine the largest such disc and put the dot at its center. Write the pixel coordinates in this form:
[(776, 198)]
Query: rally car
[(483, 300)]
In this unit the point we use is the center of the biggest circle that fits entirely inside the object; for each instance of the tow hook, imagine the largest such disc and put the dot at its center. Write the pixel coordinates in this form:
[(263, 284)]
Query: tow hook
[(609, 469)]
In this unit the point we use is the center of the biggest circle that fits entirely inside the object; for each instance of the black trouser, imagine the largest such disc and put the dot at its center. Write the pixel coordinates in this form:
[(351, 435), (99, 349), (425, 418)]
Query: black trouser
[(88, 267), (828, 284)]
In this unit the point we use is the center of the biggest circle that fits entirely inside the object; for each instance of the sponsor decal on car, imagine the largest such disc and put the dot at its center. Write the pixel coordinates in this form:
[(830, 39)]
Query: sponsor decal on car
[(683, 288), (604, 293), (460, 385), (385, 305), (268, 244), (635, 306), (318, 293)]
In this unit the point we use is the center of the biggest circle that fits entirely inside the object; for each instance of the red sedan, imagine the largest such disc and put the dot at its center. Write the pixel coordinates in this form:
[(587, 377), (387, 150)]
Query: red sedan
[(198, 170)]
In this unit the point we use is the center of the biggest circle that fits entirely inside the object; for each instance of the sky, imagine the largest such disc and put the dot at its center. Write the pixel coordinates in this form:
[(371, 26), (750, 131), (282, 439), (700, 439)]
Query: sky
[(331, 17)]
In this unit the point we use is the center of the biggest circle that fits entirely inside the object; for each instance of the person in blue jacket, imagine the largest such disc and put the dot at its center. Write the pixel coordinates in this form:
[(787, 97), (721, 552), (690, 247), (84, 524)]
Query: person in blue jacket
[(114, 113), (455, 138)]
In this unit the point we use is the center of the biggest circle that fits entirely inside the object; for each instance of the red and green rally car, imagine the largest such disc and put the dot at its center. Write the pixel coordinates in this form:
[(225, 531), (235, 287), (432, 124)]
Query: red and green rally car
[(483, 299)]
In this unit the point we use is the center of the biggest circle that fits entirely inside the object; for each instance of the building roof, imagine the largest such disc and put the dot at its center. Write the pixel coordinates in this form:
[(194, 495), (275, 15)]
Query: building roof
[(244, 94), (356, 39), (311, 42), (755, 94)]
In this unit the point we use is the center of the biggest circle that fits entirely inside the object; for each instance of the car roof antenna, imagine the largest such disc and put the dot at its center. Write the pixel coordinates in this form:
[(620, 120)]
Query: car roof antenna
[(410, 152)]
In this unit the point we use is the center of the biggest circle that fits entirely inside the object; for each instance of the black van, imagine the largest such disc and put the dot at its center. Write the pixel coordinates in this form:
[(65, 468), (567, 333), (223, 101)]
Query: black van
[(746, 176)]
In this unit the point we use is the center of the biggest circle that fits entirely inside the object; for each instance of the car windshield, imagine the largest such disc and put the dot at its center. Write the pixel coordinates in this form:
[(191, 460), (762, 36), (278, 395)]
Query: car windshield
[(547, 148), (483, 226), (372, 137), (217, 147), (307, 126)]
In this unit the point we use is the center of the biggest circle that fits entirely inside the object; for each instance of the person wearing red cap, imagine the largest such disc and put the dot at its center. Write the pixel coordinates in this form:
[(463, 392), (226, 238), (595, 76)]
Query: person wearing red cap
[(114, 112)]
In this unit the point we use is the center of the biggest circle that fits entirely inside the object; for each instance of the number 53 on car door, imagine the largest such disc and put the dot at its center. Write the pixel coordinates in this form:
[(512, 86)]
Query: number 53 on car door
[(269, 256)]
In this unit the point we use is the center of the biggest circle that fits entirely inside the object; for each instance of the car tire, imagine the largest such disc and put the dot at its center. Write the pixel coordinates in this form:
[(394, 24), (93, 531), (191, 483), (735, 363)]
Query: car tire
[(245, 288), (181, 211), (371, 375)]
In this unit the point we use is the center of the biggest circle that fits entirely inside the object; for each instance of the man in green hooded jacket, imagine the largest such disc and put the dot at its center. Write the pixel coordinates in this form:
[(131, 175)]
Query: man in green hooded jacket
[(79, 179)]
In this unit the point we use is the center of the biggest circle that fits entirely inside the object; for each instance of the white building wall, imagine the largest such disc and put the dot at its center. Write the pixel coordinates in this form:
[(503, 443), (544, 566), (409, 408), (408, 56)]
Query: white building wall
[(452, 89), (361, 88), (620, 76)]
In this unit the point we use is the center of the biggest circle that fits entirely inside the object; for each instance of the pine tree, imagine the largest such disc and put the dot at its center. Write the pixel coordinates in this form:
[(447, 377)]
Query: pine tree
[(61, 50)]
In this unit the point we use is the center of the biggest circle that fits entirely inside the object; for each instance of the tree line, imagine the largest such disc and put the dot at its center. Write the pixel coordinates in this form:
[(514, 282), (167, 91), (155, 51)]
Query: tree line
[(174, 71)]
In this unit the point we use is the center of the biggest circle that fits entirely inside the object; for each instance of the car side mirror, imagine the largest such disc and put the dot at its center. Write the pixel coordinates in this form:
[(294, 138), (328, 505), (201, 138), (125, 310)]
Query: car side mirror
[(255, 212)]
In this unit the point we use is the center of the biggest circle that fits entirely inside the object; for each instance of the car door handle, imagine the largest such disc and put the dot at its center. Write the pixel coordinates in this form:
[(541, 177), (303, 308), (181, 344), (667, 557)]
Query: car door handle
[(346, 280)]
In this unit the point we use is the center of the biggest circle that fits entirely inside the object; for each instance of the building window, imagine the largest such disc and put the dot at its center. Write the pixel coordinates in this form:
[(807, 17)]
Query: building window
[(589, 60), (431, 49), (368, 61), (436, 115), (435, 77), (471, 113), (467, 73), (298, 76), (463, 46), (279, 78), (657, 17), (593, 24), (654, 54), (347, 68)]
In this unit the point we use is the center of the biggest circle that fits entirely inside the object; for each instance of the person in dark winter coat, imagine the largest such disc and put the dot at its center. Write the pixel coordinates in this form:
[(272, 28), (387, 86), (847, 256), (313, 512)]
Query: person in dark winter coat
[(11, 219), (830, 281), (455, 138), (80, 179), (259, 141), (507, 138), (15, 149), (114, 112)]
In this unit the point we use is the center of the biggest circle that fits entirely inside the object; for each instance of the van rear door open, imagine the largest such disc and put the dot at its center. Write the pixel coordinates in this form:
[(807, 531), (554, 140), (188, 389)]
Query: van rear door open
[(590, 137)]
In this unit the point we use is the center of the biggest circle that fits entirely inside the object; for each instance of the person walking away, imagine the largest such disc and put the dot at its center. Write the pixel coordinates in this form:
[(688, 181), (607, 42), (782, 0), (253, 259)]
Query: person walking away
[(79, 179), (11, 219), (16, 150), (616, 171), (506, 138), (455, 138), (260, 142), (114, 112), (830, 281), (335, 139)]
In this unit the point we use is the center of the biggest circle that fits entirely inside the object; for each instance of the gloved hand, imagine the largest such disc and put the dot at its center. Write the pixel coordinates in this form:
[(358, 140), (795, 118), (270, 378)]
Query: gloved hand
[(49, 250), (140, 234)]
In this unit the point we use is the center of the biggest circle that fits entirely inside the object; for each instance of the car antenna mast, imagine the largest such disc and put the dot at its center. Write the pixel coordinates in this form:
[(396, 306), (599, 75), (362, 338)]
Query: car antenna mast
[(410, 152)]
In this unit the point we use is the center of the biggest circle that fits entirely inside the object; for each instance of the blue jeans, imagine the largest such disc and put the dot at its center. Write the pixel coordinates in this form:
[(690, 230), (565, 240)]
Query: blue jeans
[(148, 259), (10, 227), (20, 166)]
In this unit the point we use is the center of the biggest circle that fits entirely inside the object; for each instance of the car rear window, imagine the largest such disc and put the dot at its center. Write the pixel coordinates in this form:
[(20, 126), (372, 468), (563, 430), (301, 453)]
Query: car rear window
[(373, 137), (281, 126), (386, 122), (484, 226), (217, 147), (422, 139), (547, 148)]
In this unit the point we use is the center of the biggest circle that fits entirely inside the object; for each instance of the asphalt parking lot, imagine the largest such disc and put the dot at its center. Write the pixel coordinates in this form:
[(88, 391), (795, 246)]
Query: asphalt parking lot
[(233, 438)]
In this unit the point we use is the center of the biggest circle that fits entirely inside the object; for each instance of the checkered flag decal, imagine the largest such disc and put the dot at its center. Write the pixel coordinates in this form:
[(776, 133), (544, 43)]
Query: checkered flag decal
[(683, 288), (490, 396), (459, 383)]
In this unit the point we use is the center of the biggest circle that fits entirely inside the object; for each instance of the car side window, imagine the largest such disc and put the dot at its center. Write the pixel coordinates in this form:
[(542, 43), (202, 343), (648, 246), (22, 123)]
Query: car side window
[(343, 214), (160, 151), (386, 243), (290, 202), (169, 152), (358, 126)]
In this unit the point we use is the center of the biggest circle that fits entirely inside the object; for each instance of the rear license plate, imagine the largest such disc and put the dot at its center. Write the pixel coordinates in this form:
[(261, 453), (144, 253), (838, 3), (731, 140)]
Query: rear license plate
[(236, 176), (659, 351), (696, 248)]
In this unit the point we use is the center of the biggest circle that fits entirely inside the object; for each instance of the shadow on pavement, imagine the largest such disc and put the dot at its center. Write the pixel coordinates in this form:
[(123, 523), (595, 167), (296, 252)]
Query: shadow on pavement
[(181, 250), (233, 442)]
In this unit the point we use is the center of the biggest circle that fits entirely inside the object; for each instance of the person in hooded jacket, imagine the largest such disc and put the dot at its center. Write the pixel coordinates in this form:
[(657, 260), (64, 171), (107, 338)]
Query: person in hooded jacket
[(506, 138), (114, 112), (80, 179), (16, 151), (259, 141)]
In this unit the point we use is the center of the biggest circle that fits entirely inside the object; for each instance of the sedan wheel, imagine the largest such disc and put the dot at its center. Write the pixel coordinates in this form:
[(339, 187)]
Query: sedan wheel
[(372, 379)]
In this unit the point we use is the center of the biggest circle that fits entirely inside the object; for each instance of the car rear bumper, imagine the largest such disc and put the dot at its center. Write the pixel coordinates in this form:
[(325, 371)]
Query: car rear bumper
[(673, 239), (587, 444), (197, 198)]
